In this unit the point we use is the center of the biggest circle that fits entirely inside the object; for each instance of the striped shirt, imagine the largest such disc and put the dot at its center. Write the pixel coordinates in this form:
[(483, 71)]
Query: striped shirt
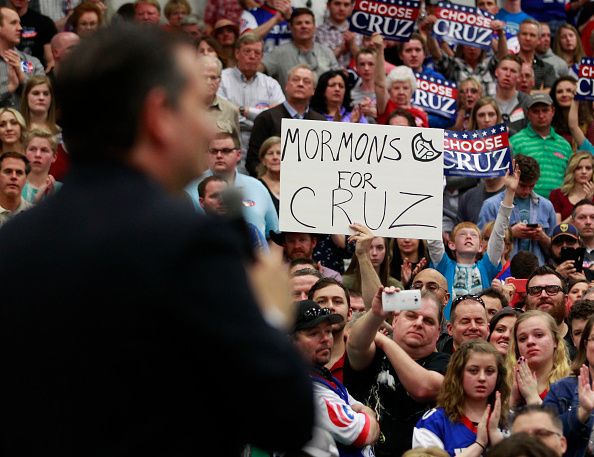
[(552, 154)]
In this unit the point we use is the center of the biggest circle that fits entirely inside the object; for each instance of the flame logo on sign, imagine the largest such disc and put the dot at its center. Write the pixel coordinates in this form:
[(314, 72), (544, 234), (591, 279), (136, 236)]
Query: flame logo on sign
[(423, 150)]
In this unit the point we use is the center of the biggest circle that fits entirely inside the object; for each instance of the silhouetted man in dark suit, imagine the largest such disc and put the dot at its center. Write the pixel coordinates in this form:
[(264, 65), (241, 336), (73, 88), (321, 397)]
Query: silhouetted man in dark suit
[(127, 323)]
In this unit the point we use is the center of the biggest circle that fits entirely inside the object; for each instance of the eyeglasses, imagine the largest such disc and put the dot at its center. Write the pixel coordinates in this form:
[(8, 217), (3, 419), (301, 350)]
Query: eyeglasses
[(313, 313), (551, 290), (225, 151), (430, 286), (542, 433), (472, 297)]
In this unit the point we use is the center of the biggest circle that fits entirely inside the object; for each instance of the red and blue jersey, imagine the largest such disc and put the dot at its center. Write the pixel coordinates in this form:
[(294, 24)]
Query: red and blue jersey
[(436, 429)]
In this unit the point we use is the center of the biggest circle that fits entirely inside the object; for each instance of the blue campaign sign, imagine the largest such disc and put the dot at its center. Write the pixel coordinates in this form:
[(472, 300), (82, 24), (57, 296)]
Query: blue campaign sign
[(585, 86), (463, 25), (477, 153), (393, 19), (436, 96)]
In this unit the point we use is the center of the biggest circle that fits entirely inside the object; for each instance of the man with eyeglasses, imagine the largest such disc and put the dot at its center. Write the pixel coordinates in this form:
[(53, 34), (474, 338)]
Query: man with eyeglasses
[(247, 88), (399, 376), (353, 425), (468, 321), (430, 280), (224, 155), (542, 423), (546, 291)]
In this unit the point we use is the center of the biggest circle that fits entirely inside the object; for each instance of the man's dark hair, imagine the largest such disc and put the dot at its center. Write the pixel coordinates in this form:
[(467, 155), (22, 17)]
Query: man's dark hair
[(584, 201), (523, 264), (529, 409), (109, 77), (325, 282), (529, 168), (307, 272), (494, 293), (206, 181), (581, 309), (521, 444), (545, 270), (300, 12), (16, 155)]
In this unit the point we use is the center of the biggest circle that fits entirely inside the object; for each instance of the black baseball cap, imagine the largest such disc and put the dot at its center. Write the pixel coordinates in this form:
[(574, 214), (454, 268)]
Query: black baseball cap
[(310, 314)]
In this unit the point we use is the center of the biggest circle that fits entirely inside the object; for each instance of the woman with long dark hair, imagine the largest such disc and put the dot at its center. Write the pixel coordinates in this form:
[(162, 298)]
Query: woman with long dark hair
[(332, 98)]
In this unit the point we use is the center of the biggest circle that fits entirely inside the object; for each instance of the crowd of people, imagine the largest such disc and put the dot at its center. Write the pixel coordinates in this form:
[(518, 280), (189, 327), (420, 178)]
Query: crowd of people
[(495, 359)]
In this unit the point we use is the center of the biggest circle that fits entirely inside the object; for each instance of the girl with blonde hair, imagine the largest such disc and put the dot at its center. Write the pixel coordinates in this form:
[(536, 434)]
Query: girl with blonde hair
[(537, 358), (578, 184)]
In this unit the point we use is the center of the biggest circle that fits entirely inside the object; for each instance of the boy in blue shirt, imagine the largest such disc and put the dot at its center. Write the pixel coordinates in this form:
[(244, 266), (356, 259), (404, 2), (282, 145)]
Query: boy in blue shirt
[(466, 275)]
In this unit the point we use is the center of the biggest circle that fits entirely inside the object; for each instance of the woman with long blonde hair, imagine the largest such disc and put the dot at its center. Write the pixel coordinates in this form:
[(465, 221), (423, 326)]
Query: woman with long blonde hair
[(537, 358), (472, 403), (12, 130), (577, 185)]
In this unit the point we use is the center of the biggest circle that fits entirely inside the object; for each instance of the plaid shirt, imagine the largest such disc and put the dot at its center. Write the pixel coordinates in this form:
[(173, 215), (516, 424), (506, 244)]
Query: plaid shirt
[(454, 68), (331, 35)]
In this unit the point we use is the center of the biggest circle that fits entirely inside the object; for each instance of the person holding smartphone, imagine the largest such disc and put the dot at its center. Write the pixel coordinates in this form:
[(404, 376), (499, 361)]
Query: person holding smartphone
[(533, 217), (565, 245)]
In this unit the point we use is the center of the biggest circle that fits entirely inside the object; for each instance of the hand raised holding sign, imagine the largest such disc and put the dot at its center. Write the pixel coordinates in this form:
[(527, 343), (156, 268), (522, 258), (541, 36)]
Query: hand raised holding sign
[(512, 180)]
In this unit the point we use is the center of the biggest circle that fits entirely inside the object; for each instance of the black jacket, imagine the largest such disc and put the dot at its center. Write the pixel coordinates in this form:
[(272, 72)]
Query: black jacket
[(127, 328)]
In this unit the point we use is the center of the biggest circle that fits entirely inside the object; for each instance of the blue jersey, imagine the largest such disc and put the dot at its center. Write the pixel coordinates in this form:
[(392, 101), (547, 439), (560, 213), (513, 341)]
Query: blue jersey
[(436, 429), (545, 10)]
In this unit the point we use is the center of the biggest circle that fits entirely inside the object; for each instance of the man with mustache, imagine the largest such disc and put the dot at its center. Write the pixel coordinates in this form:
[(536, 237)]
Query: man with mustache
[(353, 425), (546, 291)]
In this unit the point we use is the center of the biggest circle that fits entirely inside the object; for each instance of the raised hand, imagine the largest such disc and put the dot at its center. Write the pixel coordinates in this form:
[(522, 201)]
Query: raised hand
[(527, 383), (362, 237), (585, 394)]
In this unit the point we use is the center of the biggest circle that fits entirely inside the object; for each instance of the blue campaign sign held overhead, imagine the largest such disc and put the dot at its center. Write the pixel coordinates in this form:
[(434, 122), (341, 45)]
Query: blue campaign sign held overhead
[(393, 19), (477, 153), (436, 96), (585, 87), (463, 25)]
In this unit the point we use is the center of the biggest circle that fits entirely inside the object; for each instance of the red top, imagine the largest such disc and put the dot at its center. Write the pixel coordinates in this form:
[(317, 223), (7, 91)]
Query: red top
[(420, 116), (561, 203)]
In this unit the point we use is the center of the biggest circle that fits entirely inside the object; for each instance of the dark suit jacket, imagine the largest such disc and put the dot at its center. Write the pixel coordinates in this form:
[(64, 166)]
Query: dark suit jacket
[(267, 124), (127, 328)]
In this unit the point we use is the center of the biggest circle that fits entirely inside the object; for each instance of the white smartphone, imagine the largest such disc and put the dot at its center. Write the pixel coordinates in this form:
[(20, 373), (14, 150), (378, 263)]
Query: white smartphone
[(401, 301)]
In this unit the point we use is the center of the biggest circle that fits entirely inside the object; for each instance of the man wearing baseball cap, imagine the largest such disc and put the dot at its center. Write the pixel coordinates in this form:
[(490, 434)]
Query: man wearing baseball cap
[(540, 141), (353, 425), (565, 236)]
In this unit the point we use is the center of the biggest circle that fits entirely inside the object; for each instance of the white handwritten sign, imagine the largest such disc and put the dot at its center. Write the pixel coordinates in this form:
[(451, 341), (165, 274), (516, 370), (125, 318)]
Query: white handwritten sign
[(388, 178)]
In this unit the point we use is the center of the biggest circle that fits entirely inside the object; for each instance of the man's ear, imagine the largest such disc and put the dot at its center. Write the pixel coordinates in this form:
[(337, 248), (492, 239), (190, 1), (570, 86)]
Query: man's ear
[(450, 328), (157, 114)]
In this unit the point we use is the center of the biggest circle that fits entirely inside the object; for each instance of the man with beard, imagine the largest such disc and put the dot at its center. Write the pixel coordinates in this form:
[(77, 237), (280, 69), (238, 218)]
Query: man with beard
[(583, 219), (331, 294), (302, 245), (546, 291), (353, 425), (564, 235)]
